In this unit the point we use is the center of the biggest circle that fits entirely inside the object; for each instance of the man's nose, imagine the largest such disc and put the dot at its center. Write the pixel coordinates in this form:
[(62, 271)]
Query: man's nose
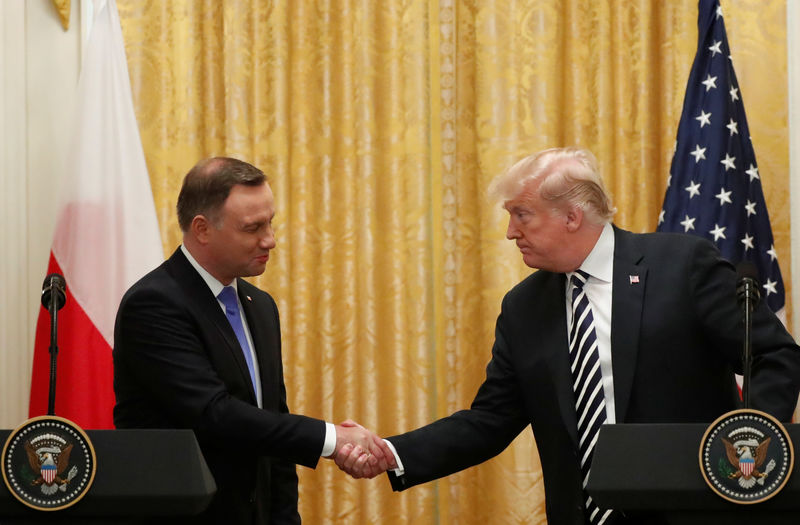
[(512, 232), (268, 240)]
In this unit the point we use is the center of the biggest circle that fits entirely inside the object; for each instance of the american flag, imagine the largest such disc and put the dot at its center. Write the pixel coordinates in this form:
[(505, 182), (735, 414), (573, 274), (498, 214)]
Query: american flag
[(714, 187)]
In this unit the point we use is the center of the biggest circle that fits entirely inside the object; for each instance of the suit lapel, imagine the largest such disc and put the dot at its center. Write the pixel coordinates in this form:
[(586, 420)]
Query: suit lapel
[(200, 296), (553, 339), (630, 278), (262, 319)]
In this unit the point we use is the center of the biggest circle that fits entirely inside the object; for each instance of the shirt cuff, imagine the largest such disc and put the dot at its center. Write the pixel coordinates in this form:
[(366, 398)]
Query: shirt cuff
[(399, 471), (329, 447)]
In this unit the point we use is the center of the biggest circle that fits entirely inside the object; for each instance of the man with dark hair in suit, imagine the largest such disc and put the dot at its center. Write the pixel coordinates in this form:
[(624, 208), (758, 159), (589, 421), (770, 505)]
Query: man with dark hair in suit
[(615, 327), (197, 347)]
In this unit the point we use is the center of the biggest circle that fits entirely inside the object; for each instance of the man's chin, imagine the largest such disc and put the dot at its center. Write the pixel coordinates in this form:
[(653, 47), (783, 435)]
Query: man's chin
[(255, 270), (531, 261)]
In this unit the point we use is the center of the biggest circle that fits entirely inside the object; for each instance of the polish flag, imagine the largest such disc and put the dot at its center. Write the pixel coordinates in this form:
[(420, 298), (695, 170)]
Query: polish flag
[(106, 235)]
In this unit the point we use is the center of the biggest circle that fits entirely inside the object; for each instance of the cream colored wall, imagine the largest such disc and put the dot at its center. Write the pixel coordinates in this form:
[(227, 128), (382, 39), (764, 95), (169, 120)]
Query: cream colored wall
[(39, 63)]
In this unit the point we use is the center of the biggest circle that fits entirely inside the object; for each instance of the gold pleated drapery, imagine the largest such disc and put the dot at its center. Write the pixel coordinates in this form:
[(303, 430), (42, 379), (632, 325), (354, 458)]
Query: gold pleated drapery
[(380, 125)]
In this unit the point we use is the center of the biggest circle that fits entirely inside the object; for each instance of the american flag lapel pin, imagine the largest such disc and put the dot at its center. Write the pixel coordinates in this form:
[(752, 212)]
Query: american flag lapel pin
[(634, 279)]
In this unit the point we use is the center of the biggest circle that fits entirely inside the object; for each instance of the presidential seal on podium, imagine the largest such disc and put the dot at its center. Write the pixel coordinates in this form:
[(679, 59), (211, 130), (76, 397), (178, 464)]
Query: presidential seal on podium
[(48, 463), (746, 456)]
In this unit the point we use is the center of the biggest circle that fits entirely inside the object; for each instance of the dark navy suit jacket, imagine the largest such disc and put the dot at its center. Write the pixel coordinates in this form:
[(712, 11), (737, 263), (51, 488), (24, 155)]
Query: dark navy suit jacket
[(178, 364), (676, 339)]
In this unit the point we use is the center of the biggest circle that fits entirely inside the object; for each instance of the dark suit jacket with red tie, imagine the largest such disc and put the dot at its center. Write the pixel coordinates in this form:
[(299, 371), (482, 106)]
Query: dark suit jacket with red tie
[(676, 339), (177, 364)]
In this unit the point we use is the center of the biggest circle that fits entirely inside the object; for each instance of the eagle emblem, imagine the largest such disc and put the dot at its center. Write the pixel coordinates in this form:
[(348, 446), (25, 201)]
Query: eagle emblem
[(746, 450), (746, 456), (48, 463), (48, 457)]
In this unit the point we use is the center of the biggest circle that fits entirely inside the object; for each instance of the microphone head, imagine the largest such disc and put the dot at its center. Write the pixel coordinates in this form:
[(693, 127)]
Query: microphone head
[(54, 286), (747, 282)]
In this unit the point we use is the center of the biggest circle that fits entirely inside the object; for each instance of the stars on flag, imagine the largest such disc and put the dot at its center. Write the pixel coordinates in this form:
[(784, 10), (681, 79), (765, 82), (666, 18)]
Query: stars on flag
[(714, 189), (773, 255), (693, 189), (724, 197), (704, 118), (748, 242), (710, 82), (753, 172), (698, 153), (718, 232), (728, 162)]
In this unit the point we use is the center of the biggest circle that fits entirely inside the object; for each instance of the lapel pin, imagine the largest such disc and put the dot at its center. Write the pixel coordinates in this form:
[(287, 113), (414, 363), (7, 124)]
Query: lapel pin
[(634, 279), (251, 299)]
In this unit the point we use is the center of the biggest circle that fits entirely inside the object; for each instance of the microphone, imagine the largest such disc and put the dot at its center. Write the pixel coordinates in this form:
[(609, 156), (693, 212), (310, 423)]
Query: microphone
[(747, 289), (748, 296), (53, 298), (54, 287)]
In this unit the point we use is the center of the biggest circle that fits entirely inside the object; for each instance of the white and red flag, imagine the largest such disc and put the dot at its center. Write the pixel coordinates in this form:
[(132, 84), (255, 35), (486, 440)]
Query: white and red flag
[(106, 234)]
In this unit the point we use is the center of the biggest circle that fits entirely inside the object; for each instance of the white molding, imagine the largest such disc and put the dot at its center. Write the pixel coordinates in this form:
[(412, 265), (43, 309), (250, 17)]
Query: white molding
[(39, 64), (793, 59), (14, 321)]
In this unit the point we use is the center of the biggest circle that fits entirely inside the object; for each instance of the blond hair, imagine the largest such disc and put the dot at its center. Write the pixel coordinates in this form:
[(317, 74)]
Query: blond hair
[(568, 175)]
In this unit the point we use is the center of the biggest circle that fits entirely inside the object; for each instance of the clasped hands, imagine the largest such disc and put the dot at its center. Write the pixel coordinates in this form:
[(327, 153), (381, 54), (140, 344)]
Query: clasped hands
[(361, 453)]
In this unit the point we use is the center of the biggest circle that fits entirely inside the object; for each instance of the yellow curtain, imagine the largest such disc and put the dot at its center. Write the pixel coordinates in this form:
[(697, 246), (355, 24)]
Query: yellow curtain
[(380, 125)]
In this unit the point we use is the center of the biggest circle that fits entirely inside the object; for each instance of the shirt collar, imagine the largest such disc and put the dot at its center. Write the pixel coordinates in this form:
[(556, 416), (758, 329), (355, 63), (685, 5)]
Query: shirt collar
[(600, 261), (213, 284)]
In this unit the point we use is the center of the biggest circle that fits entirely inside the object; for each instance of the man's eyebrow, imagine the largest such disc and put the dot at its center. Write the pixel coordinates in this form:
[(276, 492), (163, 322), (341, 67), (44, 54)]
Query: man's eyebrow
[(258, 222)]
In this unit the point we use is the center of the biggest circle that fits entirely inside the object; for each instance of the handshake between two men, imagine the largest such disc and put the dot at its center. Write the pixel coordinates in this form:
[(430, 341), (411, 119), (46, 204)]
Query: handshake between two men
[(360, 452)]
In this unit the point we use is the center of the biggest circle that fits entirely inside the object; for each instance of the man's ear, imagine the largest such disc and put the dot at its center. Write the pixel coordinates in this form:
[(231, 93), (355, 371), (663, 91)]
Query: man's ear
[(199, 228), (574, 218)]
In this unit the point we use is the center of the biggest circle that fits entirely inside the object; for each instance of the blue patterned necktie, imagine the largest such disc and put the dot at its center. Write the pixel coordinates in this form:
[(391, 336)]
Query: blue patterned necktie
[(228, 298), (587, 384)]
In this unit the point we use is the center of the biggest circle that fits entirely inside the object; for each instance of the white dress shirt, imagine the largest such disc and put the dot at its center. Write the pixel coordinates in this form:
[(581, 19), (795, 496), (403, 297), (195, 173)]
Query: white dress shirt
[(599, 264)]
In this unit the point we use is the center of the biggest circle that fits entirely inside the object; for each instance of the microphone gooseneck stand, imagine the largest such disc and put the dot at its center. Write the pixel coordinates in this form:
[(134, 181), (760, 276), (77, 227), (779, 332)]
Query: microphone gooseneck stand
[(53, 298), (748, 295)]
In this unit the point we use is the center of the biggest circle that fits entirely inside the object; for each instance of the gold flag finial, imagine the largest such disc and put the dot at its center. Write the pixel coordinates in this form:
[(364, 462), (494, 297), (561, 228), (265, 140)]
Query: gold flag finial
[(62, 6)]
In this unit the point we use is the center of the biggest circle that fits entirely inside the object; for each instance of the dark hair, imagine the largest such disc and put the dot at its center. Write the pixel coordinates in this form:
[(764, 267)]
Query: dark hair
[(209, 183)]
